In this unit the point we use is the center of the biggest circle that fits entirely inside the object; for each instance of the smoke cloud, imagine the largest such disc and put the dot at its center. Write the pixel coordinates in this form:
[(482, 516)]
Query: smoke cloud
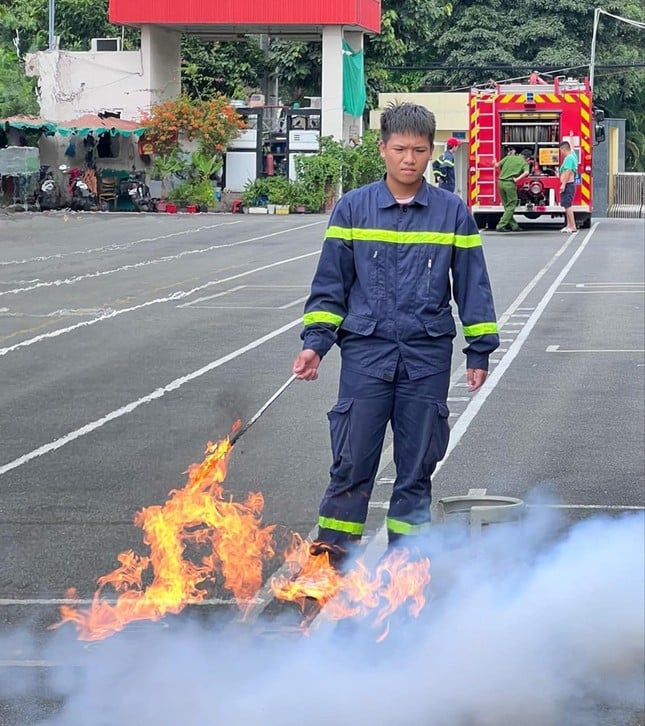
[(535, 624)]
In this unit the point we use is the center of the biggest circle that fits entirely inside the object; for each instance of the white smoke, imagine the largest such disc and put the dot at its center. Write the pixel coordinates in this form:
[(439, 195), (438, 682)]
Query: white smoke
[(521, 629)]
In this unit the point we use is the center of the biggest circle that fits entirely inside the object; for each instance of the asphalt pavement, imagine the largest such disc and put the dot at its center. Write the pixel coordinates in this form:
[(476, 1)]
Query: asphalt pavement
[(127, 342)]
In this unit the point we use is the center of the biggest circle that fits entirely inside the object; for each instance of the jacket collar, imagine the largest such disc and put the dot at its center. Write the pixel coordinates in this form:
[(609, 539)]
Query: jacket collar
[(386, 199)]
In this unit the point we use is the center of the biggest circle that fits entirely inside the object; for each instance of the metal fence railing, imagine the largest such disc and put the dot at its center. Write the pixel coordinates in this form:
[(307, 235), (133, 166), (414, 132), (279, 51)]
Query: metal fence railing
[(628, 196)]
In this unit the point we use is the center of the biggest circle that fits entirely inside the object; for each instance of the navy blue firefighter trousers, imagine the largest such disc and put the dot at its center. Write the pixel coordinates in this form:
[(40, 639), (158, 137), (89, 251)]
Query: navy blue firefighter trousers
[(418, 415)]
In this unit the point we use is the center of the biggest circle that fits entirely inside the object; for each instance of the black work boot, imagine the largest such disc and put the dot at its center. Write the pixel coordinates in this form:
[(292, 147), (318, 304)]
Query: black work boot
[(337, 555)]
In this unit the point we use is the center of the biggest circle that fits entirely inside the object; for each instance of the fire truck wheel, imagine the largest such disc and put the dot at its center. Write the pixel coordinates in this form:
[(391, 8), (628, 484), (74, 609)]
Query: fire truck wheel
[(583, 221)]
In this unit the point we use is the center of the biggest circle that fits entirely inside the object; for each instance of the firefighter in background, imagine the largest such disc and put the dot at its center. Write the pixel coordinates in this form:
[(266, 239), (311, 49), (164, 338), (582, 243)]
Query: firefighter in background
[(382, 292), (443, 168), (512, 169)]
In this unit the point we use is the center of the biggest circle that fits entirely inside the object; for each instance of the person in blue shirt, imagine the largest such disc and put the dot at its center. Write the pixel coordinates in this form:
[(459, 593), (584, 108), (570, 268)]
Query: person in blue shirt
[(568, 172), (382, 291), (443, 168)]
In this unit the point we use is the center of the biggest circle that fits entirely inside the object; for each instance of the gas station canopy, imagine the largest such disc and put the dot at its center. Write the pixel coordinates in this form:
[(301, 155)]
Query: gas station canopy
[(232, 19)]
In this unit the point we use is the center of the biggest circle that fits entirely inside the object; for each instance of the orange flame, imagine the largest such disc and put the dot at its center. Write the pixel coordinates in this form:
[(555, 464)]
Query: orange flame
[(358, 593), (195, 517), (198, 537)]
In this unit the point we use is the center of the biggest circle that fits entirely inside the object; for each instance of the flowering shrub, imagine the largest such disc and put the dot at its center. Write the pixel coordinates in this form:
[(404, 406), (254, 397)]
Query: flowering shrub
[(212, 123)]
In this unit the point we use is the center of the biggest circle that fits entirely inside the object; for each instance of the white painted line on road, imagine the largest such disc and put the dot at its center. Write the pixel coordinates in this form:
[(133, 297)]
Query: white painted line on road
[(600, 292), (618, 507), (494, 378), (605, 284), (299, 301), (158, 393), (521, 315), (454, 399), (146, 263), (179, 295), (557, 349), (32, 601), (211, 297), (116, 247), (378, 505)]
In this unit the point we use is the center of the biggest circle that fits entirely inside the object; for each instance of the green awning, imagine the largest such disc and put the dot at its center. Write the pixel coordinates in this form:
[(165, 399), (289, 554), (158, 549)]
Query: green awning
[(33, 123), (97, 125)]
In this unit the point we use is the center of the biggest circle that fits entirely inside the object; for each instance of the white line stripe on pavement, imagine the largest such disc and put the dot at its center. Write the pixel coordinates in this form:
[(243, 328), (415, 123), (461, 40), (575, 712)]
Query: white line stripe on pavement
[(619, 507), (557, 349), (179, 295), (145, 263), (158, 393), (116, 247)]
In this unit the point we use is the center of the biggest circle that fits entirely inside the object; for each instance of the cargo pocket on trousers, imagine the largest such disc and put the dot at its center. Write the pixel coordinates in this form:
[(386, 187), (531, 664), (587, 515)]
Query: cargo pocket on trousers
[(441, 433), (339, 429)]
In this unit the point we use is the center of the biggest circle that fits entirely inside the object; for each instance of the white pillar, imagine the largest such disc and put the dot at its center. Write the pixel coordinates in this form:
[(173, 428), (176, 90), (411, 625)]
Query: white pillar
[(332, 81), (161, 60), (352, 126)]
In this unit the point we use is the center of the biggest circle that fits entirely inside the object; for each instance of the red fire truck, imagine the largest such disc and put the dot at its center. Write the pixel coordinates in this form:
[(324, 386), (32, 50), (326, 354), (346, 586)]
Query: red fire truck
[(535, 115)]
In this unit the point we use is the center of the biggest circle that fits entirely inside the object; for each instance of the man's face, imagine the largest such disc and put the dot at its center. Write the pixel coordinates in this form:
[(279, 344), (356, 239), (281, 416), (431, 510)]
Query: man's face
[(406, 157)]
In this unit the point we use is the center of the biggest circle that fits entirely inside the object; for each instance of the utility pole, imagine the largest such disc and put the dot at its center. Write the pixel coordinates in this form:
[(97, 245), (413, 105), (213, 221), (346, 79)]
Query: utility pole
[(592, 61), (52, 20)]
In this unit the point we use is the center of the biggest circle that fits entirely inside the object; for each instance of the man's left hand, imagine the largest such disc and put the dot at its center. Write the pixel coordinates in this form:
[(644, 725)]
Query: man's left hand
[(475, 378)]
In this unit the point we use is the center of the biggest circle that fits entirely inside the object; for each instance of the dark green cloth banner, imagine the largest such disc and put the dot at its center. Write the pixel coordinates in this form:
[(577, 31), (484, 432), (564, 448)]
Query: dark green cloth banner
[(354, 95)]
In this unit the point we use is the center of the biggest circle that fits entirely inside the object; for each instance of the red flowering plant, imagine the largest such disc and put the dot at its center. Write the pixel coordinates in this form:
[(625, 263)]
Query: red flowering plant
[(212, 123)]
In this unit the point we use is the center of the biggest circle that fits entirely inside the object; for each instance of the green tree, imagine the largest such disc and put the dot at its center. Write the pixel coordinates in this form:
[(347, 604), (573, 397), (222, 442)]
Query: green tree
[(17, 91)]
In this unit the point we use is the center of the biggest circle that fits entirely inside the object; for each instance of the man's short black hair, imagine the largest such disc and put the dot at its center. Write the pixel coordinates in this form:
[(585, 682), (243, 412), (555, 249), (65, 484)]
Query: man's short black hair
[(527, 153), (565, 145), (408, 118)]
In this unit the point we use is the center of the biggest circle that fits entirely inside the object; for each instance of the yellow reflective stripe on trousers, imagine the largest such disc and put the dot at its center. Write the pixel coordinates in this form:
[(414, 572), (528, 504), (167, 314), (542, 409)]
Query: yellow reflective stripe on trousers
[(322, 317), (403, 238), (340, 526), (479, 329), (399, 527)]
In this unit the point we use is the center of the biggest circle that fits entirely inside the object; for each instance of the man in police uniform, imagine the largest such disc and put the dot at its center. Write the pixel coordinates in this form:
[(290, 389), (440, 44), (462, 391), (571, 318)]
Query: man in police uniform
[(382, 292), (512, 169)]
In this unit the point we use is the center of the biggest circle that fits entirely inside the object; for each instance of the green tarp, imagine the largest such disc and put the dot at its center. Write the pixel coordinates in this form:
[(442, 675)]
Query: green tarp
[(354, 95)]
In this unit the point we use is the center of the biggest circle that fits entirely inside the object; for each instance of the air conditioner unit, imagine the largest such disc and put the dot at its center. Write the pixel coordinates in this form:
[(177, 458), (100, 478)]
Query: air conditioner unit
[(103, 44)]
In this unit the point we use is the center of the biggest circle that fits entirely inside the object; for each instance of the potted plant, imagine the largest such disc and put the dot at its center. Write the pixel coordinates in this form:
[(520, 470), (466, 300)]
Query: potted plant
[(165, 166)]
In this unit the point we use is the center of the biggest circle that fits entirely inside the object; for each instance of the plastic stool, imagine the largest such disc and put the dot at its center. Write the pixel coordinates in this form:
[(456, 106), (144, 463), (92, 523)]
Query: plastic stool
[(237, 206)]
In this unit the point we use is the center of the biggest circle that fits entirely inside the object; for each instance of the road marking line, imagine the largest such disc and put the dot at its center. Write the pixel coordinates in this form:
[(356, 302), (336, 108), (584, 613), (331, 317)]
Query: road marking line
[(116, 247), (494, 378), (192, 303), (32, 601), (179, 295), (598, 292), (158, 393), (620, 507), (145, 263), (557, 349), (453, 399), (604, 284)]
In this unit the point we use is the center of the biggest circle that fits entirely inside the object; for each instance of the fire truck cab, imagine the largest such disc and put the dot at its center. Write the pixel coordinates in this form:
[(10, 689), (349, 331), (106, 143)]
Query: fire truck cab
[(535, 115)]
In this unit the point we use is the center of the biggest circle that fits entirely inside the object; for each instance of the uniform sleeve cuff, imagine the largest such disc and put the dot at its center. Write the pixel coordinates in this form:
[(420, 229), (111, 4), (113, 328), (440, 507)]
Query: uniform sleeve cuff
[(477, 360)]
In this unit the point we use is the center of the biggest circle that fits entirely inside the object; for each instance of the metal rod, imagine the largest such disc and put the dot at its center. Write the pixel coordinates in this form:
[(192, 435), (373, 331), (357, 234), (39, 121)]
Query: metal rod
[(52, 21), (240, 432)]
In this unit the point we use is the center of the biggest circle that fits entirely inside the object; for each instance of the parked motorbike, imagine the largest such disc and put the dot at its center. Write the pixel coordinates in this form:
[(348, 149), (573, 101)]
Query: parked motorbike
[(81, 196), (48, 194), (139, 192)]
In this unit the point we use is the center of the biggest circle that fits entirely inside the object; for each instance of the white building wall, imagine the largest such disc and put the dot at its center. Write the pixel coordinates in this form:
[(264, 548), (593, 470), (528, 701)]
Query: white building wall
[(73, 83)]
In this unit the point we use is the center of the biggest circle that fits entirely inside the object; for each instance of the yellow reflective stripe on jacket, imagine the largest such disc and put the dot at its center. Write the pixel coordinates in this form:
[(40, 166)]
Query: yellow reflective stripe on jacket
[(322, 317), (340, 526), (385, 235), (399, 527), (479, 329)]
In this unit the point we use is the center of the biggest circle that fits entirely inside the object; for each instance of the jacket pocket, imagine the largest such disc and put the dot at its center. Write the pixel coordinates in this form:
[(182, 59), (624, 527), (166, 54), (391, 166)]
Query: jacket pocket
[(442, 324), (358, 324), (425, 289)]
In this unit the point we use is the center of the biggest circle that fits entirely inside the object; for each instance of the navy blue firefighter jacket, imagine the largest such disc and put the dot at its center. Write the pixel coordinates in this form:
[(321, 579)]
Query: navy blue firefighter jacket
[(382, 288)]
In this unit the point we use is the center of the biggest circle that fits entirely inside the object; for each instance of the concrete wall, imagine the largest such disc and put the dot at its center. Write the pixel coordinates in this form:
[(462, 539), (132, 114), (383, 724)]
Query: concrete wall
[(608, 159)]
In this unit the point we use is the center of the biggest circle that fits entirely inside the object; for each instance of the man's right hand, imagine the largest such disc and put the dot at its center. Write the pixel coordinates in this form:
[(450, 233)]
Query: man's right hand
[(306, 365)]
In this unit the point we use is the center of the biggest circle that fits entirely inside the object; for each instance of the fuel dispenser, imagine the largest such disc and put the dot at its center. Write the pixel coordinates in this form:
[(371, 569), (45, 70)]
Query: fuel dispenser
[(303, 134), (243, 158)]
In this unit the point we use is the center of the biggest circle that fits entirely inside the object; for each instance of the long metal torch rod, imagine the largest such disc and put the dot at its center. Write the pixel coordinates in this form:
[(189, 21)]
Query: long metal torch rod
[(240, 432)]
